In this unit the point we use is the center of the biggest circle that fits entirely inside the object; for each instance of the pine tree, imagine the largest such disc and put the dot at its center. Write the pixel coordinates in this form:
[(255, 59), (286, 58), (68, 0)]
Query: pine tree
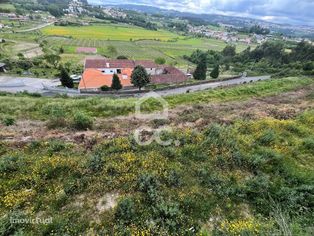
[(116, 83), (215, 73), (201, 69), (139, 77), (65, 78)]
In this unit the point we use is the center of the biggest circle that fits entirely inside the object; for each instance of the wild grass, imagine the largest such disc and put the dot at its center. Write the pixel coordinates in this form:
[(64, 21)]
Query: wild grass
[(224, 174), (25, 107)]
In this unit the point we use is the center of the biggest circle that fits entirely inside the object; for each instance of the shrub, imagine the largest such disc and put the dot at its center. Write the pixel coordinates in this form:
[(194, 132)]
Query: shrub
[(8, 121), (125, 211), (9, 164), (10, 228), (104, 88), (57, 117), (95, 163), (215, 73), (116, 83), (267, 138), (55, 146), (160, 60), (173, 179), (122, 57), (82, 121), (148, 184)]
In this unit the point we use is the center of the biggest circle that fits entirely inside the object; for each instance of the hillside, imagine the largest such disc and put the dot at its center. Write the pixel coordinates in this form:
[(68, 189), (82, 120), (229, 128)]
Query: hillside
[(241, 164)]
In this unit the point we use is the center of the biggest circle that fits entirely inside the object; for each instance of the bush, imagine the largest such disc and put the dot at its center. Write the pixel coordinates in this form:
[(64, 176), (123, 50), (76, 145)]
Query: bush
[(57, 117), (125, 211), (95, 163), (308, 144), (9, 164), (8, 121), (266, 138), (160, 60), (82, 121), (122, 57), (104, 88)]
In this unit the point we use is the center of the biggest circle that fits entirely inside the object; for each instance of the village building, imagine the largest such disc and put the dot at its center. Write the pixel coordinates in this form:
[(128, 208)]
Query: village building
[(99, 72)]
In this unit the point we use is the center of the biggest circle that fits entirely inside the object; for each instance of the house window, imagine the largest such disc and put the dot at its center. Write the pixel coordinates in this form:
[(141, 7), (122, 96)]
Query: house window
[(118, 71)]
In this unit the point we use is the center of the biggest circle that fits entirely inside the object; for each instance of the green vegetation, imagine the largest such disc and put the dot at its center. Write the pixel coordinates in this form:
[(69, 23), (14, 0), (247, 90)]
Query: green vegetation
[(116, 83), (65, 78), (268, 58), (201, 69), (29, 107), (248, 178), (6, 7), (109, 32), (139, 77), (215, 72)]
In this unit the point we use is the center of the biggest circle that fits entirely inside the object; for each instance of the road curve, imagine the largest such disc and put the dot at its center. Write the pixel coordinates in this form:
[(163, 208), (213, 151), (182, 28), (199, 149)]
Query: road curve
[(35, 28), (35, 85), (195, 88)]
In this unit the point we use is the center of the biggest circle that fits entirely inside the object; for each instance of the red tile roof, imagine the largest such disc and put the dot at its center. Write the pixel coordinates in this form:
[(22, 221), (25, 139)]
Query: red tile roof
[(146, 64), (94, 79), (171, 75)]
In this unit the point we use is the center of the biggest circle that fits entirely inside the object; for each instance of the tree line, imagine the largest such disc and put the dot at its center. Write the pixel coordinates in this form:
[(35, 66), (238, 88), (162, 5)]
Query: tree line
[(272, 57)]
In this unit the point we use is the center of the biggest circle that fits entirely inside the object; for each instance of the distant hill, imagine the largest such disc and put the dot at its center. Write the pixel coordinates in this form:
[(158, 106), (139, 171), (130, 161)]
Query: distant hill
[(300, 31)]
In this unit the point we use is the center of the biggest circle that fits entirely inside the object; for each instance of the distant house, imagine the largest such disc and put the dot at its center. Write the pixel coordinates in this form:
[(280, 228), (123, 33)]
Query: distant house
[(86, 50), (99, 72)]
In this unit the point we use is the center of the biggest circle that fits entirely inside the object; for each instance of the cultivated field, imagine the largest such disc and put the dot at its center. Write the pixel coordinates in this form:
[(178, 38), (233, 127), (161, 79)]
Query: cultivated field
[(145, 44), (109, 32)]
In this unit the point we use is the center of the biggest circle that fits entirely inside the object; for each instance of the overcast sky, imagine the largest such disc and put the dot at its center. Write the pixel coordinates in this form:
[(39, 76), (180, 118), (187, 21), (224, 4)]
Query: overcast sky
[(281, 11)]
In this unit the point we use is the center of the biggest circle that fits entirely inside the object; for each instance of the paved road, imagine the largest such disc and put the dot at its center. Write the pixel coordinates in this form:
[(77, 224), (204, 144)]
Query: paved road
[(35, 85), (36, 28), (194, 88), (31, 85)]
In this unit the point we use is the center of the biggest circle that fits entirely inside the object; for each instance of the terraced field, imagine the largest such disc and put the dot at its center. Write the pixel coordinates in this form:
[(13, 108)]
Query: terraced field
[(145, 49), (131, 41), (109, 32)]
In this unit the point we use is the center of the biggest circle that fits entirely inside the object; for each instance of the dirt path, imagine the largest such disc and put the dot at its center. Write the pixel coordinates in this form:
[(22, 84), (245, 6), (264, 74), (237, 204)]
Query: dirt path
[(283, 106), (36, 28)]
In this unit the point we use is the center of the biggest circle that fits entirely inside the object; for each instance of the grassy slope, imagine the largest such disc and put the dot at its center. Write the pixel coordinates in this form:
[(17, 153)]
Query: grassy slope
[(38, 108), (247, 177), (7, 6)]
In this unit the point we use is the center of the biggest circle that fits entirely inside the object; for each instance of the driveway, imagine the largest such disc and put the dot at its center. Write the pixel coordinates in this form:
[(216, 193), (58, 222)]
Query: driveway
[(194, 88), (31, 85), (36, 28)]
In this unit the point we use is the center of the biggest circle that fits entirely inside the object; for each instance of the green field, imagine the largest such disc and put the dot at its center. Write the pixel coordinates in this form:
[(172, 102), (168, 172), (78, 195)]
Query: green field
[(145, 44), (146, 49), (7, 6), (109, 32), (34, 108), (247, 170)]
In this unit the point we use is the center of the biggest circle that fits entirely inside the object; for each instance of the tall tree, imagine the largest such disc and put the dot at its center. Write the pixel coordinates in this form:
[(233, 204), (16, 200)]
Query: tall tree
[(53, 59), (229, 51), (201, 69), (139, 77), (116, 83), (215, 72), (65, 78)]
